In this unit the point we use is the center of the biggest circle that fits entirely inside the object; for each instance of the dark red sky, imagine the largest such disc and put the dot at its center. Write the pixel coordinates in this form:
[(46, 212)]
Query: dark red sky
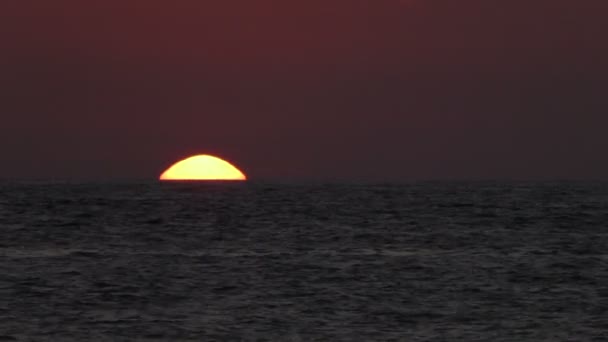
[(347, 89)]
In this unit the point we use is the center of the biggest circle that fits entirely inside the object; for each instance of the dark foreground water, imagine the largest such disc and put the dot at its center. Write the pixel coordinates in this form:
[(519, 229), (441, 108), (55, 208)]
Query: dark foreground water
[(230, 262)]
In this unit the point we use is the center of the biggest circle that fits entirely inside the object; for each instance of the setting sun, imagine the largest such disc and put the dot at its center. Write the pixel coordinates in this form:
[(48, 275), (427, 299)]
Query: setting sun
[(203, 167)]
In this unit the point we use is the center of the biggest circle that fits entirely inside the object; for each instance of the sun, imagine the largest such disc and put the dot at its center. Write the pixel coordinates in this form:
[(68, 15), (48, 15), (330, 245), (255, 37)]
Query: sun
[(203, 167)]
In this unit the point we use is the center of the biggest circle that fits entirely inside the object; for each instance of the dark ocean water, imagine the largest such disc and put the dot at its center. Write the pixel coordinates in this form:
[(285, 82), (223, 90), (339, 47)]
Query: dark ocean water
[(287, 262)]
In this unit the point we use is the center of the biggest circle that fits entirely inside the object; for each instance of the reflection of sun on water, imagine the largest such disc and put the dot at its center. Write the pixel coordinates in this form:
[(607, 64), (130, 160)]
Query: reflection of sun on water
[(203, 167)]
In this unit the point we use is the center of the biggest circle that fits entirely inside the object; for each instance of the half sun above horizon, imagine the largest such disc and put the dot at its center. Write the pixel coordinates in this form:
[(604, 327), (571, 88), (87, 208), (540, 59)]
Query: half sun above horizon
[(203, 167)]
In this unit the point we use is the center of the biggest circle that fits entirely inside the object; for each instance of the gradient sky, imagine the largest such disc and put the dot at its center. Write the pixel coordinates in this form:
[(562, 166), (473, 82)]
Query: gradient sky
[(321, 89)]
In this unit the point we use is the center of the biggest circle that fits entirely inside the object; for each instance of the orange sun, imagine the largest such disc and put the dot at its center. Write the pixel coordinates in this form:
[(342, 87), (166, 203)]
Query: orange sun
[(203, 167)]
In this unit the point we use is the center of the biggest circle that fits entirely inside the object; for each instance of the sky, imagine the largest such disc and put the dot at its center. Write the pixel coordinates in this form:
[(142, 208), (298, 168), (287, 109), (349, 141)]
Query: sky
[(317, 89)]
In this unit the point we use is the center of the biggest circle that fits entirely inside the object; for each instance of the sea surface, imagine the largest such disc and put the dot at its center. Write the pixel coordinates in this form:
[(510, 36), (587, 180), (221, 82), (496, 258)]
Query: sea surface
[(438, 261)]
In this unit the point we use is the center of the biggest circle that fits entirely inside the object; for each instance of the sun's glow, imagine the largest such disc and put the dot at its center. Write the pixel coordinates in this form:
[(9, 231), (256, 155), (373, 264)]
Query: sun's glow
[(203, 167)]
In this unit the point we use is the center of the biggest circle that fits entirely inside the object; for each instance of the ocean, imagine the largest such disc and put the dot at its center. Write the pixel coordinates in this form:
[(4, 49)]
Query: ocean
[(427, 261)]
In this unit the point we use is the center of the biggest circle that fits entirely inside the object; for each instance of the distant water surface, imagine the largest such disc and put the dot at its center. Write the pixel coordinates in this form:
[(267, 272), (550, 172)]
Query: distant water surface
[(304, 262)]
